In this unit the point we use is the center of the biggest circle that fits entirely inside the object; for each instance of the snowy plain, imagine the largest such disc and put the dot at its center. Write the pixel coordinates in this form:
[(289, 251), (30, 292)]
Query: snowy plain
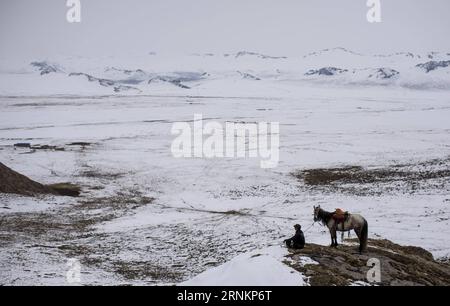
[(206, 212)]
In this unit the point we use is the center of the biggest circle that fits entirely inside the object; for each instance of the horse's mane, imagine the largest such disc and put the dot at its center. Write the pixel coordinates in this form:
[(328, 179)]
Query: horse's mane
[(324, 216)]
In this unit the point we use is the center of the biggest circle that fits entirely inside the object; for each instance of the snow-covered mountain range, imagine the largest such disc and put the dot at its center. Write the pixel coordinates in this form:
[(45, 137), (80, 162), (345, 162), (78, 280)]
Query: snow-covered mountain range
[(243, 72)]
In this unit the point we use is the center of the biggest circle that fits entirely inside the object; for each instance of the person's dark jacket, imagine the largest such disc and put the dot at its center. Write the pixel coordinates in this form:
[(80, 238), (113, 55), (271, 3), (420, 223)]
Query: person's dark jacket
[(297, 241)]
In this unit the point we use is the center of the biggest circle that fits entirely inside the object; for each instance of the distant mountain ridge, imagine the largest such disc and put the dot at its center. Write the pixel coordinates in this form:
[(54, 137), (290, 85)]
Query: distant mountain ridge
[(339, 66)]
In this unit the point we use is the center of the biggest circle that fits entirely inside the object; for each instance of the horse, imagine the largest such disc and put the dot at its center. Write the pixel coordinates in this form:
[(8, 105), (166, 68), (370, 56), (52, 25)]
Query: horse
[(351, 221)]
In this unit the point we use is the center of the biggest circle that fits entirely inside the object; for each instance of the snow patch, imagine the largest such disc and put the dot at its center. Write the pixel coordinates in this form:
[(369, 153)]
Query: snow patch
[(255, 268)]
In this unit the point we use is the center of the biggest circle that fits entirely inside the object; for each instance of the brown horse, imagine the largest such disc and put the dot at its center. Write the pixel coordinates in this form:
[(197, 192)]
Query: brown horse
[(351, 222)]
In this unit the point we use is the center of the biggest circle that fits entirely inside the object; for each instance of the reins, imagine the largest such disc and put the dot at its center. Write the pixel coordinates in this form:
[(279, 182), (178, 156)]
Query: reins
[(309, 227)]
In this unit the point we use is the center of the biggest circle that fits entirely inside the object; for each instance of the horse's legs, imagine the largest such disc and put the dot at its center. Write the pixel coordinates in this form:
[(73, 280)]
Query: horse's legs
[(358, 233), (333, 236)]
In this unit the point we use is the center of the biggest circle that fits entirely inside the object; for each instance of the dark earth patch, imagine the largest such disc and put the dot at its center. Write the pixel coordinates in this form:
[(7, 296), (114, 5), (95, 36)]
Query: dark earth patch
[(357, 180)]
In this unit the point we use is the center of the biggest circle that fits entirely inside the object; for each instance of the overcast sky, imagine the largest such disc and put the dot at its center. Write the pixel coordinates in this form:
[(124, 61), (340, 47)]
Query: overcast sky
[(278, 27)]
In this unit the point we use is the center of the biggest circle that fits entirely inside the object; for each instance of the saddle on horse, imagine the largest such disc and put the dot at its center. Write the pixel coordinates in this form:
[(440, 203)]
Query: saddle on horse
[(340, 216)]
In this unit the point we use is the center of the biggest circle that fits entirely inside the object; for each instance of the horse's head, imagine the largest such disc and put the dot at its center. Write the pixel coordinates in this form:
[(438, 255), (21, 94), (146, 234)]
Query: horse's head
[(316, 213)]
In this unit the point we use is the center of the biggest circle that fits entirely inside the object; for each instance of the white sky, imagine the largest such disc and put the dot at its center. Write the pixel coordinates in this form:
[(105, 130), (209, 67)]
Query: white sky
[(278, 27)]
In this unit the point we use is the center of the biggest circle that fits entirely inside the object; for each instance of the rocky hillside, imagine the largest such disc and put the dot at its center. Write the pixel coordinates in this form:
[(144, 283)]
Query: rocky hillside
[(14, 182), (399, 265)]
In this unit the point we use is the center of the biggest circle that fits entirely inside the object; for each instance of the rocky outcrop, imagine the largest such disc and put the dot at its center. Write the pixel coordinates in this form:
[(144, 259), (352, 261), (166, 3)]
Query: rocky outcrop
[(328, 71), (433, 65), (45, 67), (342, 266)]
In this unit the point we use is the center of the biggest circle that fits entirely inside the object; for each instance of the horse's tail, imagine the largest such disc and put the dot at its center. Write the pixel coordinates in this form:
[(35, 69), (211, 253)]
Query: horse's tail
[(363, 237)]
